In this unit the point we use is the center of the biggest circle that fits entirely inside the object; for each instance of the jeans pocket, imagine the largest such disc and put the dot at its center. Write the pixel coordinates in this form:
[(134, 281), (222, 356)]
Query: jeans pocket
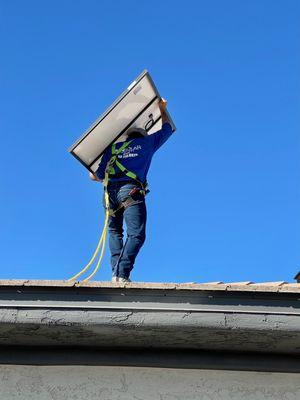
[(124, 191)]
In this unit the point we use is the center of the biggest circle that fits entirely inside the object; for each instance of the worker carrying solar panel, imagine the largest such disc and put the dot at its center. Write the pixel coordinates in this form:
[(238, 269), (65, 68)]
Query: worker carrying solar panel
[(126, 163)]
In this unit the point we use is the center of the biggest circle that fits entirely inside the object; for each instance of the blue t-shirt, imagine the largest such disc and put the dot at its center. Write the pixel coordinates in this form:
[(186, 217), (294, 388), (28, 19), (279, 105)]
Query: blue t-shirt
[(137, 156)]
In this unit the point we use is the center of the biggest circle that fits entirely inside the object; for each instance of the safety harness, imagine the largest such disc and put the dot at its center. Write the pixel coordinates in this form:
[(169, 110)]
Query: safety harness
[(129, 174), (141, 188)]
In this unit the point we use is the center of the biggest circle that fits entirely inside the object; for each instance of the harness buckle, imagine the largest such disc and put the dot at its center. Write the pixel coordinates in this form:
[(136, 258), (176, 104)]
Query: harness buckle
[(134, 191)]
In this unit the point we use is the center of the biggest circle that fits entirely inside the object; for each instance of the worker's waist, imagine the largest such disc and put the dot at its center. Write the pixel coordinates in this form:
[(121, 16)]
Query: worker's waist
[(121, 181)]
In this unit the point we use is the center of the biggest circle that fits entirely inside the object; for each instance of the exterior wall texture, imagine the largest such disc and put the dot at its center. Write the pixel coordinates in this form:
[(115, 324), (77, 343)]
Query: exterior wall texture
[(127, 383)]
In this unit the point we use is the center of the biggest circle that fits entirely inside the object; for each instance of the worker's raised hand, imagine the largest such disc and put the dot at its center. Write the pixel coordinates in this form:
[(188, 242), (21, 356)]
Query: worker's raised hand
[(93, 177), (162, 104)]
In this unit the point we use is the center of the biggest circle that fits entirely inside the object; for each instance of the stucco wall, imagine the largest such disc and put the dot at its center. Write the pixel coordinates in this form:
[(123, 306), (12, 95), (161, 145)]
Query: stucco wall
[(127, 383)]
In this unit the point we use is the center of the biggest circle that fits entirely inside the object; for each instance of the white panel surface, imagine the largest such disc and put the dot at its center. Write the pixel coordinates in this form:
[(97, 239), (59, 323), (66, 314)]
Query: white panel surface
[(137, 106)]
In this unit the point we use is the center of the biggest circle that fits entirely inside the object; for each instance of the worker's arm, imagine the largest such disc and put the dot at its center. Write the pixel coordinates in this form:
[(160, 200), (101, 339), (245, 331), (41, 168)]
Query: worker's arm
[(161, 136), (100, 172)]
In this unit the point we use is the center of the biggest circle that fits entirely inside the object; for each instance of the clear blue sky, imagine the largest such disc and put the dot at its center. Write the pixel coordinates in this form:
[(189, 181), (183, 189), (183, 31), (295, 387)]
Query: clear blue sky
[(224, 201)]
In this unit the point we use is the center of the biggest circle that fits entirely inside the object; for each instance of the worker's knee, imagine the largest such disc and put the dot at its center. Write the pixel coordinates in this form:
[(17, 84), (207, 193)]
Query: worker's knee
[(139, 238)]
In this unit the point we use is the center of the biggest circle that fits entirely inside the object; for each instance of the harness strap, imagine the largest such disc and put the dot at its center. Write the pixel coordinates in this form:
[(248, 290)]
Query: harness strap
[(129, 201), (124, 145), (128, 173), (114, 160)]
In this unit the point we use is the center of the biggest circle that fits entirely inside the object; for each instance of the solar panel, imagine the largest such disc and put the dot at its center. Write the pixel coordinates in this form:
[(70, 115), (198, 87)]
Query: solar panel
[(136, 107)]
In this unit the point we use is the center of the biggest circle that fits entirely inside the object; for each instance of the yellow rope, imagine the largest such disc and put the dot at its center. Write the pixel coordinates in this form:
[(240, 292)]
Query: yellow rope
[(102, 250), (101, 243)]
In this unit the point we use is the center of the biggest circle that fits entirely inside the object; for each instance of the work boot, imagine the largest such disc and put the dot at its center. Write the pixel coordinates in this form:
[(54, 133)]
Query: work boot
[(115, 279), (124, 280)]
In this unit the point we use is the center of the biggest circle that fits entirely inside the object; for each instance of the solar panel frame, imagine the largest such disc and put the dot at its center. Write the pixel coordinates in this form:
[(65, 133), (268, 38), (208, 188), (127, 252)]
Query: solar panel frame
[(102, 117)]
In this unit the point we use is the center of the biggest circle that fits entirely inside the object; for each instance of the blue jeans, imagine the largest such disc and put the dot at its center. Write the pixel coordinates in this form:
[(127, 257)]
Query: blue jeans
[(123, 254)]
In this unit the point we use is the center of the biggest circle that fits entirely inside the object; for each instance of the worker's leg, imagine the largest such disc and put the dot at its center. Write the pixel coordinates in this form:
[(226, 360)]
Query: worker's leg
[(135, 218), (115, 229)]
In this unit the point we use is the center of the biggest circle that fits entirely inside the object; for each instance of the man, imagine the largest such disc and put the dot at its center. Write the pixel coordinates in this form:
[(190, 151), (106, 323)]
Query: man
[(128, 164)]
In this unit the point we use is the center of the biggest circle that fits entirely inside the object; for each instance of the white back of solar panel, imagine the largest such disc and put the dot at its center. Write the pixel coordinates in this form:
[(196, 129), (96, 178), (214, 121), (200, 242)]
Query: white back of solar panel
[(137, 106)]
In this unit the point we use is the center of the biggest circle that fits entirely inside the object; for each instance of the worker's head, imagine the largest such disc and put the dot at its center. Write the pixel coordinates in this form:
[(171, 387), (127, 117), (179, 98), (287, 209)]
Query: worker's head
[(133, 133)]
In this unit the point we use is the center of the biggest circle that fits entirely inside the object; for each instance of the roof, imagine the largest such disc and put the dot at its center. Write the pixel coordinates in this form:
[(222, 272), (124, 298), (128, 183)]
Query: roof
[(236, 317), (279, 286)]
